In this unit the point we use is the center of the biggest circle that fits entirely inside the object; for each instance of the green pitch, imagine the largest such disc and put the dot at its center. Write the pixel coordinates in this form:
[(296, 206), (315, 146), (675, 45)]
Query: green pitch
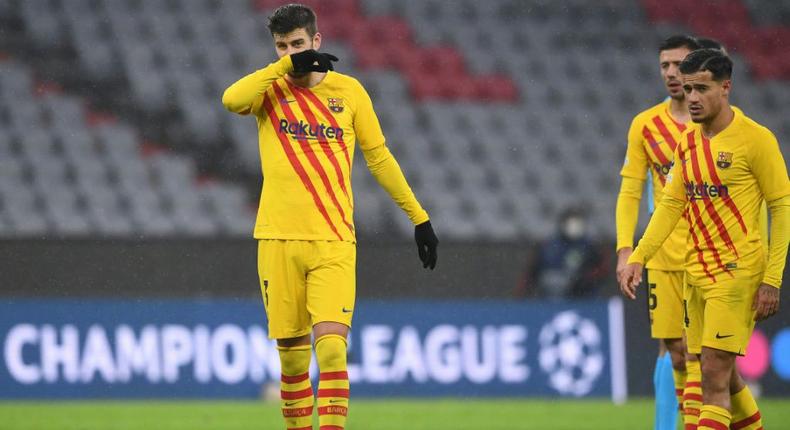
[(412, 414)]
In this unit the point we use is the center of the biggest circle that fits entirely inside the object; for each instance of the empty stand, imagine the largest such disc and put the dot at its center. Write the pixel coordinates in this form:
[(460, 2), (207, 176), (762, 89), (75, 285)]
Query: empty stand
[(502, 113), (62, 176)]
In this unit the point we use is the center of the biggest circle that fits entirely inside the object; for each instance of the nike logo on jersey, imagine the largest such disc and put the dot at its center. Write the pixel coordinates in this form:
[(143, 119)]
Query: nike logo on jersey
[(654, 144), (290, 403), (718, 336), (347, 311), (336, 401), (286, 101)]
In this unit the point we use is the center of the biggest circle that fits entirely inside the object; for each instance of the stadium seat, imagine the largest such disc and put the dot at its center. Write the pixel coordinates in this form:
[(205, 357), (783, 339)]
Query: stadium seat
[(517, 100)]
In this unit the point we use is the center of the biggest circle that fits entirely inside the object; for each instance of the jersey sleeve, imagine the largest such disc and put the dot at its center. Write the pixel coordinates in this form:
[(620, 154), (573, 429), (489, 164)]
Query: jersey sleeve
[(366, 123), (635, 164), (661, 225), (768, 166), (245, 96), (627, 211), (388, 174), (379, 159), (780, 235)]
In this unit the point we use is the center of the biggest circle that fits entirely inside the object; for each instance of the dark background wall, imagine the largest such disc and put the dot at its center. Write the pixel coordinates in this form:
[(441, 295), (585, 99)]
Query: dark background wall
[(213, 268)]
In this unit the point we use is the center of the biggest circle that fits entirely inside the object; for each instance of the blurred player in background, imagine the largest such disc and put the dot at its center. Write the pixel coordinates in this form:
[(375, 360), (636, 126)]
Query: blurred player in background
[(652, 139), (309, 121), (726, 168)]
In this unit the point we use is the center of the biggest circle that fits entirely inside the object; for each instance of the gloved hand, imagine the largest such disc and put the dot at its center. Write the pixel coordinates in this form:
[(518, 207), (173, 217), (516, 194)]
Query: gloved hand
[(426, 244), (312, 61)]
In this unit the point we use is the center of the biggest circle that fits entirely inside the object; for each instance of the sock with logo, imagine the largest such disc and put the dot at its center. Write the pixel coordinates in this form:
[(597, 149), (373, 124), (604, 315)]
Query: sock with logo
[(714, 418), (679, 377), (692, 395), (330, 351), (296, 393), (745, 414)]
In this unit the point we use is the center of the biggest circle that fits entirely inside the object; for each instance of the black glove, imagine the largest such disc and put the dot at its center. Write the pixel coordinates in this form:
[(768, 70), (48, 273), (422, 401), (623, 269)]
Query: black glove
[(426, 244), (312, 61)]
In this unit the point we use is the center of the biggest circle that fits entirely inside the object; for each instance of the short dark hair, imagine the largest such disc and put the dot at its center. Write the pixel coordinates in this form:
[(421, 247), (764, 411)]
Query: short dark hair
[(713, 60), (290, 17), (679, 41), (708, 43)]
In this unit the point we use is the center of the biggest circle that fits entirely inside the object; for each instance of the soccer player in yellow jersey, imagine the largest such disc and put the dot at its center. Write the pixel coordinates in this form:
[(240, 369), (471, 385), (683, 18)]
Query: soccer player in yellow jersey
[(724, 170), (652, 139), (309, 121)]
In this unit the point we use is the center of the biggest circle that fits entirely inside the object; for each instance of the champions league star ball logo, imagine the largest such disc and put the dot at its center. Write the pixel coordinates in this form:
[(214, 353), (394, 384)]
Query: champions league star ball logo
[(570, 353)]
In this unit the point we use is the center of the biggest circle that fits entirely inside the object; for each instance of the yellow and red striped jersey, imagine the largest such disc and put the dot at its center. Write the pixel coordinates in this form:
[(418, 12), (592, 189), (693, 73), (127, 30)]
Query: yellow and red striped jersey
[(724, 181), (307, 139), (652, 140)]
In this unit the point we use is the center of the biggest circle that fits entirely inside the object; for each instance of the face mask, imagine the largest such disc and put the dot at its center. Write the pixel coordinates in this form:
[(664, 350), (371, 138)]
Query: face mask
[(574, 228)]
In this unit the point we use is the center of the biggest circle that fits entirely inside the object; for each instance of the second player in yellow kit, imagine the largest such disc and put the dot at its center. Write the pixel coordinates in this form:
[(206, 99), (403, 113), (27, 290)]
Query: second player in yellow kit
[(652, 139)]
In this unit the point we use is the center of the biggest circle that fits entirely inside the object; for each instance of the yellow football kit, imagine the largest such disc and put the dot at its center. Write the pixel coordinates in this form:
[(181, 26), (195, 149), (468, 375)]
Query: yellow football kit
[(307, 138), (295, 304), (718, 186), (652, 139)]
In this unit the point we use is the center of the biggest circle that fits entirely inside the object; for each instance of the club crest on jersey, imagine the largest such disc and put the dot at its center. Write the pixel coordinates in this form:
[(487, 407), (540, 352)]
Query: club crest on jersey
[(725, 160), (334, 104)]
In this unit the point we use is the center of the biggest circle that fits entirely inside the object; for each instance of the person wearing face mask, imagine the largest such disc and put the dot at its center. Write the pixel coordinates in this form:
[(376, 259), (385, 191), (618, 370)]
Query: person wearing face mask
[(567, 264)]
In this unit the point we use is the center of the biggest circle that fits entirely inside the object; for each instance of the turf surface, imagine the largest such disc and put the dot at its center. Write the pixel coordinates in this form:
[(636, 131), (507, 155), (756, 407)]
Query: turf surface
[(412, 414)]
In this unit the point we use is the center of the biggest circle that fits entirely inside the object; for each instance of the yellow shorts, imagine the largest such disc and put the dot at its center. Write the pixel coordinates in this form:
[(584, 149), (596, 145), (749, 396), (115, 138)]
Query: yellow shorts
[(665, 303), (306, 282), (720, 316)]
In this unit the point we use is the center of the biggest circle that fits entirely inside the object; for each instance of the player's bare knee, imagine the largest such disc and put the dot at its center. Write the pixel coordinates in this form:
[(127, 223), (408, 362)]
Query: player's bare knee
[(717, 368)]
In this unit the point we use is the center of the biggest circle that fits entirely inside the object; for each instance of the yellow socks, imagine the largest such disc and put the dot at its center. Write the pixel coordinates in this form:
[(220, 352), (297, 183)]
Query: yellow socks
[(680, 385), (714, 418), (692, 395), (296, 393), (745, 414), (330, 351)]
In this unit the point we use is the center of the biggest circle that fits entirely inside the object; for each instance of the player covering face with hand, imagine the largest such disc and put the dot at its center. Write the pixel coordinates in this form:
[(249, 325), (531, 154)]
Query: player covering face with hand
[(310, 120), (724, 169)]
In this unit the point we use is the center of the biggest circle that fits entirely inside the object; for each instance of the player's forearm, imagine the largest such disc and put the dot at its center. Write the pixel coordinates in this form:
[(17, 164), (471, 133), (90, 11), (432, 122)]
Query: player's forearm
[(627, 212), (239, 97), (763, 220), (385, 169), (661, 225), (777, 251)]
